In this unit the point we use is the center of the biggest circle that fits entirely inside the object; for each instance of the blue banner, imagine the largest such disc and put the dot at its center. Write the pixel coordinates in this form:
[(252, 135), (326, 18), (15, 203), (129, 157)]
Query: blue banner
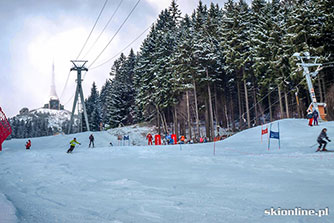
[(274, 135)]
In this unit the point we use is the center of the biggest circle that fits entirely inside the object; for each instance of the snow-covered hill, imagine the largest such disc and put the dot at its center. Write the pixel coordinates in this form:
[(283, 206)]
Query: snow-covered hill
[(169, 183), (56, 117), (41, 122)]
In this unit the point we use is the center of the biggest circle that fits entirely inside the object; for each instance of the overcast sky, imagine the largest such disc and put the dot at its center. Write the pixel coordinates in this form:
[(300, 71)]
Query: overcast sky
[(34, 33)]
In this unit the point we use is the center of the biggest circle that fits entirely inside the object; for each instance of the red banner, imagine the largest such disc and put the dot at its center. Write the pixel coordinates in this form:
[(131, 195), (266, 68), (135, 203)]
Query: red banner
[(157, 140), (174, 138), (264, 131)]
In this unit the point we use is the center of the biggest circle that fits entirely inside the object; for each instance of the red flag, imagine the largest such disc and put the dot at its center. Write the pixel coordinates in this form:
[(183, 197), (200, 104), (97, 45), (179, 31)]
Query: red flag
[(264, 131)]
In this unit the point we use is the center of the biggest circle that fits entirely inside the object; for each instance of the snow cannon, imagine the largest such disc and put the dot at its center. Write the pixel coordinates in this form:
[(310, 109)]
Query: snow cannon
[(5, 129)]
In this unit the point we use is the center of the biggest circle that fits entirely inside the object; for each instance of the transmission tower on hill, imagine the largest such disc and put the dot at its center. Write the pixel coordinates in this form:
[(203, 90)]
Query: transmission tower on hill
[(79, 65)]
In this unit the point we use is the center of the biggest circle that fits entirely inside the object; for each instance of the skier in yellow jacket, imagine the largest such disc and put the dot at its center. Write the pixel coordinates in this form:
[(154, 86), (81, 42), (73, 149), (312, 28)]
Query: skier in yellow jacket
[(73, 142)]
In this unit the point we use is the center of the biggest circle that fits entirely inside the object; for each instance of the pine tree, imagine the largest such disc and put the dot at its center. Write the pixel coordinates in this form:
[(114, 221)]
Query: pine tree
[(121, 95), (94, 109), (103, 100)]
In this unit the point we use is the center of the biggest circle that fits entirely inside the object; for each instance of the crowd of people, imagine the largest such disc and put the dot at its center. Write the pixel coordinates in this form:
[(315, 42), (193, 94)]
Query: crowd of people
[(170, 139)]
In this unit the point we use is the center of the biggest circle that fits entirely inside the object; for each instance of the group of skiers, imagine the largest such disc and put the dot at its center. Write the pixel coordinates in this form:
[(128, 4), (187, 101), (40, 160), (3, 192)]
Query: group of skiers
[(169, 140), (312, 117), (74, 141), (184, 140)]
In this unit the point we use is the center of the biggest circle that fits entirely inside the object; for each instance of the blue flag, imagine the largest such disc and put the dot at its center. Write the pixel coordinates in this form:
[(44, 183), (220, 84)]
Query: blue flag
[(274, 135)]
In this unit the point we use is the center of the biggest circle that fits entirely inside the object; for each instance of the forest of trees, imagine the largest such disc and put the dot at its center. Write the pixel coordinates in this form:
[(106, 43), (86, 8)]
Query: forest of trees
[(229, 66)]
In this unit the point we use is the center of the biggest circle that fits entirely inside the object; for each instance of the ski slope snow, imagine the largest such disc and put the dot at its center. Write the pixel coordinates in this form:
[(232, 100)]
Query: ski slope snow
[(175, 183)]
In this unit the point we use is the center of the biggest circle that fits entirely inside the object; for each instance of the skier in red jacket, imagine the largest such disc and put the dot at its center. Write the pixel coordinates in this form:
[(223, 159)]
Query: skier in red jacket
[(310, 117), (150, 138), (28, 144)]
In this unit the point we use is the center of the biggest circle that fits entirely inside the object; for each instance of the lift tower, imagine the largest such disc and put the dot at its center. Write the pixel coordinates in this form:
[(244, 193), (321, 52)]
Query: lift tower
[(312, 62), (79, 65)]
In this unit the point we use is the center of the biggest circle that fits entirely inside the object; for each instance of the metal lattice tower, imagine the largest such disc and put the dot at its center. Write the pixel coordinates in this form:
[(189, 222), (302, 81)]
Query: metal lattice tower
[(306, 57), (79, 65)]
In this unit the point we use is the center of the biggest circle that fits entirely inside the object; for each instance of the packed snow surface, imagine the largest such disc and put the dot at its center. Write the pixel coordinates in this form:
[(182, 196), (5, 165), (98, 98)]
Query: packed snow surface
[(176, 183), (7, 210)]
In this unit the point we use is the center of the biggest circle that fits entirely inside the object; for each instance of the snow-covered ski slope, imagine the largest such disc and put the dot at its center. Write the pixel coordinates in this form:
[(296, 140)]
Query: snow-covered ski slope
[(168, 183)]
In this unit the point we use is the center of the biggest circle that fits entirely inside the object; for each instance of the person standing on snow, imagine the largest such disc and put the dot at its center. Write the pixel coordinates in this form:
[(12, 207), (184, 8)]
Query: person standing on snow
[(201, 140), (91, 140), (321, 141), (171, 140), (182, 139), (315, 117), (310, 117), (28, 144), (150, 138), (73, 142)]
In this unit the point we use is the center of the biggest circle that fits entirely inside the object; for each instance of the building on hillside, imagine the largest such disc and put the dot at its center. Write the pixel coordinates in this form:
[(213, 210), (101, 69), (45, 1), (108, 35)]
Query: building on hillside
[(24, 111), (54, 102)]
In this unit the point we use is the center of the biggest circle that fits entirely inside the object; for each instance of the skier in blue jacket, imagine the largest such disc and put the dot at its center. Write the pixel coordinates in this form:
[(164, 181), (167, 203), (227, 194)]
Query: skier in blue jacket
[(315, 117)]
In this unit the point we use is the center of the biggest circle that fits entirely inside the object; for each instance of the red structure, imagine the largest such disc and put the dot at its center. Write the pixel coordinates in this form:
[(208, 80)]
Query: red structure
[(174, 138), (5, 129), (157, 140)]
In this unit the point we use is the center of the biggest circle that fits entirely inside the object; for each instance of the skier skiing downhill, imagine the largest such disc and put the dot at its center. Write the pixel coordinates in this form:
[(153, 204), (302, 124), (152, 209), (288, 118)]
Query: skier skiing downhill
[(321, 141), (91, 140), (150, 138), (73, 142), (28, 144)]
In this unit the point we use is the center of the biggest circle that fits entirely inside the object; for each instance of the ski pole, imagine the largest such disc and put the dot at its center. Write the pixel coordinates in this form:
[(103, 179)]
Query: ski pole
[(313, 145)]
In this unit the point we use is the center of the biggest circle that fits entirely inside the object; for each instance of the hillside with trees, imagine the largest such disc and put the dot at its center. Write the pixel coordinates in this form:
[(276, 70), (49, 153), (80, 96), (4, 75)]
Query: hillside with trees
[(230, 66)]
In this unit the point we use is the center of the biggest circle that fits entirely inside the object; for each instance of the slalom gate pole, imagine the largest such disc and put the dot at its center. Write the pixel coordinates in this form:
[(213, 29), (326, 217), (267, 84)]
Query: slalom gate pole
[(269, 137), (261, 132), (214, 147), (279, 137)]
